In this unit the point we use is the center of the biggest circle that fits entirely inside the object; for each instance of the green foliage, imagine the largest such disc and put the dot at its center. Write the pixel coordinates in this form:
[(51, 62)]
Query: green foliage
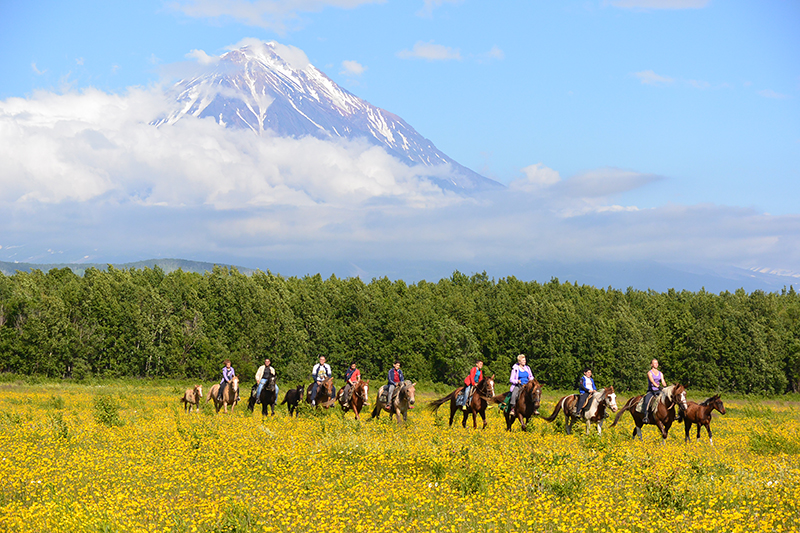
[(146, 323), (106, 411), (767, 442)]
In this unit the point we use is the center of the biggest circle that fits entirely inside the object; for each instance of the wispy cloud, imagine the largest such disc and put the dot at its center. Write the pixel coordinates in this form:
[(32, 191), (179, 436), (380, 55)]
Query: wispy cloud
[(430, 5), (769, 93), (494, 54), (648, 77), (36, 70), (352, 68), (660, 4), (431, 52), (277, 15)]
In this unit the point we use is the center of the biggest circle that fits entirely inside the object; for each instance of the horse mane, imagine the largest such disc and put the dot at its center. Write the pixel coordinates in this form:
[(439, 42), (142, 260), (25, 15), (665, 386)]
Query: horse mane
[(668, 391), (708, 401)]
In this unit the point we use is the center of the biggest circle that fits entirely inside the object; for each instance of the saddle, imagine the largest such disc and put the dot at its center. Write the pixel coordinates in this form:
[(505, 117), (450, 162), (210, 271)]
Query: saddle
[(504, 405), (651, 408), (383, 396)]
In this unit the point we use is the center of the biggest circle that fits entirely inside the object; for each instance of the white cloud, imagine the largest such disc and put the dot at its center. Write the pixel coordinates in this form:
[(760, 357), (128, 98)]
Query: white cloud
[(494, 54), (660, 4), (430, 5), (430, 52), (276, 15), (352, 68), (769, 93), (201, 57), (648, 77), (36, 69), (536, 177), (604, 182)]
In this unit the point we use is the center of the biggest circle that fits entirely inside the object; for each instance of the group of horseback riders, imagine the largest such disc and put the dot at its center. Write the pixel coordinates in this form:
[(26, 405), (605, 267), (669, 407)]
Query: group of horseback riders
[(521, 375)]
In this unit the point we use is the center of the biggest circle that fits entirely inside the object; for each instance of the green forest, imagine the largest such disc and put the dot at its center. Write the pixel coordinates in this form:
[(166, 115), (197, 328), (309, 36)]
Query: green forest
[(147, 323)]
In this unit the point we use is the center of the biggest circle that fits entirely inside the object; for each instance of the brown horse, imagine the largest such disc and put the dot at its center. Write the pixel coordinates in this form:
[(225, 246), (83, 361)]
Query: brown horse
[(326, 395), (527, 405), (358, 399), (402, 402), (664, 414), (192, 397), (484, 391), (229, 397), (594, 412), (700, 414)]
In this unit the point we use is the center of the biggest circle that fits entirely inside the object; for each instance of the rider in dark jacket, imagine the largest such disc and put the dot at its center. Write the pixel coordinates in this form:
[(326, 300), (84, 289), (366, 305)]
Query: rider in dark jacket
[(586, 386), (396, 378)]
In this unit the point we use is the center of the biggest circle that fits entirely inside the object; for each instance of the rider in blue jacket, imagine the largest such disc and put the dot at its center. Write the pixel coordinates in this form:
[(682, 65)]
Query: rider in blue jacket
[(396, 378), (586, 386)]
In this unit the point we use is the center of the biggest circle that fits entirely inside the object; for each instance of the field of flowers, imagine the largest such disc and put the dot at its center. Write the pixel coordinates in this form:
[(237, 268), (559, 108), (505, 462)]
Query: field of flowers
[(126, 458)]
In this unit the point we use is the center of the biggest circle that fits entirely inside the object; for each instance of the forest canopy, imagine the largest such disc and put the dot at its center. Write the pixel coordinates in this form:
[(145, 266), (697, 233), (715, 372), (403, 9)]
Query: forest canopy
[(146, 323)]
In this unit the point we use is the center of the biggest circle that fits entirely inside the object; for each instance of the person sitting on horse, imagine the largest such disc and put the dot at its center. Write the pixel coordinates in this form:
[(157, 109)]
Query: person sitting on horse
[(655, 380), (319, 373), (520, 375), (396, 379), (471, 381), (351, 377), (227, 376), (264, 373), (586, 387)]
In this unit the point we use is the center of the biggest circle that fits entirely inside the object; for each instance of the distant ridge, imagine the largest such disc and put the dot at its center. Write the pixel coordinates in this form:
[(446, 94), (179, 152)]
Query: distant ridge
[(167, 265)]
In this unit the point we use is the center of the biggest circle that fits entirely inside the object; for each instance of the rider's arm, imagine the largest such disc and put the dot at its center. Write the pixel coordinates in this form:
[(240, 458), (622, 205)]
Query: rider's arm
[(651, 380)]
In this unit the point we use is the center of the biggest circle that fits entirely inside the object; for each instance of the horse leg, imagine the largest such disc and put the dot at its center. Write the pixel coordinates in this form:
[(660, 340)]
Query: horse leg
[(599, 427), (474, 420), (687, 426), (483, 417), (708, 430), (452, 412)]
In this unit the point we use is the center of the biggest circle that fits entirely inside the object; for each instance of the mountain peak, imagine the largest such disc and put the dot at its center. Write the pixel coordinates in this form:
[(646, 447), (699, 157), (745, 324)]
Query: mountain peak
[(267, 86)]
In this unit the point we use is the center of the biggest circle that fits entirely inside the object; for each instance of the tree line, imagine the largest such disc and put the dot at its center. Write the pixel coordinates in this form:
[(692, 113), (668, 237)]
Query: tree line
[(148, 323)]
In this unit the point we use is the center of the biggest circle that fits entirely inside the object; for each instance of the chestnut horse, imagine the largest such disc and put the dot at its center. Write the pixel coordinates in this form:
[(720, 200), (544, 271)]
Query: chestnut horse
[(229, 397), (192, 397), (358, 399), (700, 414), (484, 391), (593, 412), (325, 394), (527, 405), (403, 401), (665, 410)]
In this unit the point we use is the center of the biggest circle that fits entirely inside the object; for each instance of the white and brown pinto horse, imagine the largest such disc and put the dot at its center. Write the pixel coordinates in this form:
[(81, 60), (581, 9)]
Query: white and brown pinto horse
[(192, 397), (664, 414), (230, 396), (595, 412), (399, 405), (359, 397)]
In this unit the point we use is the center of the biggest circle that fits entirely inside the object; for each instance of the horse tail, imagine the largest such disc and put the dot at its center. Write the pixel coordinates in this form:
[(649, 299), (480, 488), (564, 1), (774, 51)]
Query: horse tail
[(376, 410), (627, 407), (499, 398), (556, 410), (435, 404)]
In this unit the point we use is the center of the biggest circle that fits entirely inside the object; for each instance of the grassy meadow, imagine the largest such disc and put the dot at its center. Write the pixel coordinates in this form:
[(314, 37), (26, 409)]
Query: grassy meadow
[(125, 457)]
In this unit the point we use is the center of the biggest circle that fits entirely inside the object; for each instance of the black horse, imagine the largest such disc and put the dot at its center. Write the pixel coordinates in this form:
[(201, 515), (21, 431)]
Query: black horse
[(292, 398), (268, 397)]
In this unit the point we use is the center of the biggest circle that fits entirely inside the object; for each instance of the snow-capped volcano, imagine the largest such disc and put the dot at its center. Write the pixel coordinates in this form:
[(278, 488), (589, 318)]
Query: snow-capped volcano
[(269, 86)]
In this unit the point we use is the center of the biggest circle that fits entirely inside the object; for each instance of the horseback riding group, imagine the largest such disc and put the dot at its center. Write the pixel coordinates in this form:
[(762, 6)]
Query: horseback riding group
[(589, 405)]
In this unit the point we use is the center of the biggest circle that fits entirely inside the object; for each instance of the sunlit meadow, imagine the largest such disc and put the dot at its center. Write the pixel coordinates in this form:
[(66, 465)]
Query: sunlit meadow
[(120, 457)]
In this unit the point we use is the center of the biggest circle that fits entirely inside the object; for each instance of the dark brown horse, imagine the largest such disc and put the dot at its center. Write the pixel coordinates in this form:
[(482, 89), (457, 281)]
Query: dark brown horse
[(700, 414), (593, 412), (402, 402), (292, 398), (665, 410), (268, 397), (358, 399), (325, 394), (527, 405), (484, 391)]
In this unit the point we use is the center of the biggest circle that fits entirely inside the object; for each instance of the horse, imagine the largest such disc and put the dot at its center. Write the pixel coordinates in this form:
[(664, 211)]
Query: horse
[(268, 396), (229, 397), (292, 398), (404, 401), (665, 410), (528, 402), (700, 414), (358, 399), (192, 397), (326, 393), (484, 391), (593, 412)]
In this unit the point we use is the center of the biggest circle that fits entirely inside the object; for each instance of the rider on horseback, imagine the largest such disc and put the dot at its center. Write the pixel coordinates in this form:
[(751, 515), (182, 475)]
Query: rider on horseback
[(264, 373), (396, 378), (471, 381), (655, 380), (520, 375), (351, 377), (227, 375), (585, 388), (319, 373)]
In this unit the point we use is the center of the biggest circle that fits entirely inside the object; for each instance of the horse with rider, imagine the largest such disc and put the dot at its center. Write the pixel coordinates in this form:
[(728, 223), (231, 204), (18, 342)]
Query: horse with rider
[(472, 398)]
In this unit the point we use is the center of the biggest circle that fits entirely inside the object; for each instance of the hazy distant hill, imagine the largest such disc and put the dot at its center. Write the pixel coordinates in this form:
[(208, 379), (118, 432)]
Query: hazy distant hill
[(167, 265)]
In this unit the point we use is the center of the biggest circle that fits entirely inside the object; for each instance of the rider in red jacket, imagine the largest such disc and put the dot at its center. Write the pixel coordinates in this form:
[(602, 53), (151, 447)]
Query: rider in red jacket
[(471, 381)]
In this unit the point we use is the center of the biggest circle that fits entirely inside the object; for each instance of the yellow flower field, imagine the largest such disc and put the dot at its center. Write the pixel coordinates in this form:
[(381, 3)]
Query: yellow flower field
[(125, 458)]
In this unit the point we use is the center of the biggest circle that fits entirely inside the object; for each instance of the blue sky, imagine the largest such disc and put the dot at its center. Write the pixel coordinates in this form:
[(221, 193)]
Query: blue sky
[(698, 99)]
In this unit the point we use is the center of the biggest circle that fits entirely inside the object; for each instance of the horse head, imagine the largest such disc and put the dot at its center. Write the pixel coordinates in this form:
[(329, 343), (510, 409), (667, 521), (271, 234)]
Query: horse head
[(235, 384), (490, 386), (409, 391), (611, 398), (535, 394), (198, 392), (716, 403), (365, 390), (679, 396)]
